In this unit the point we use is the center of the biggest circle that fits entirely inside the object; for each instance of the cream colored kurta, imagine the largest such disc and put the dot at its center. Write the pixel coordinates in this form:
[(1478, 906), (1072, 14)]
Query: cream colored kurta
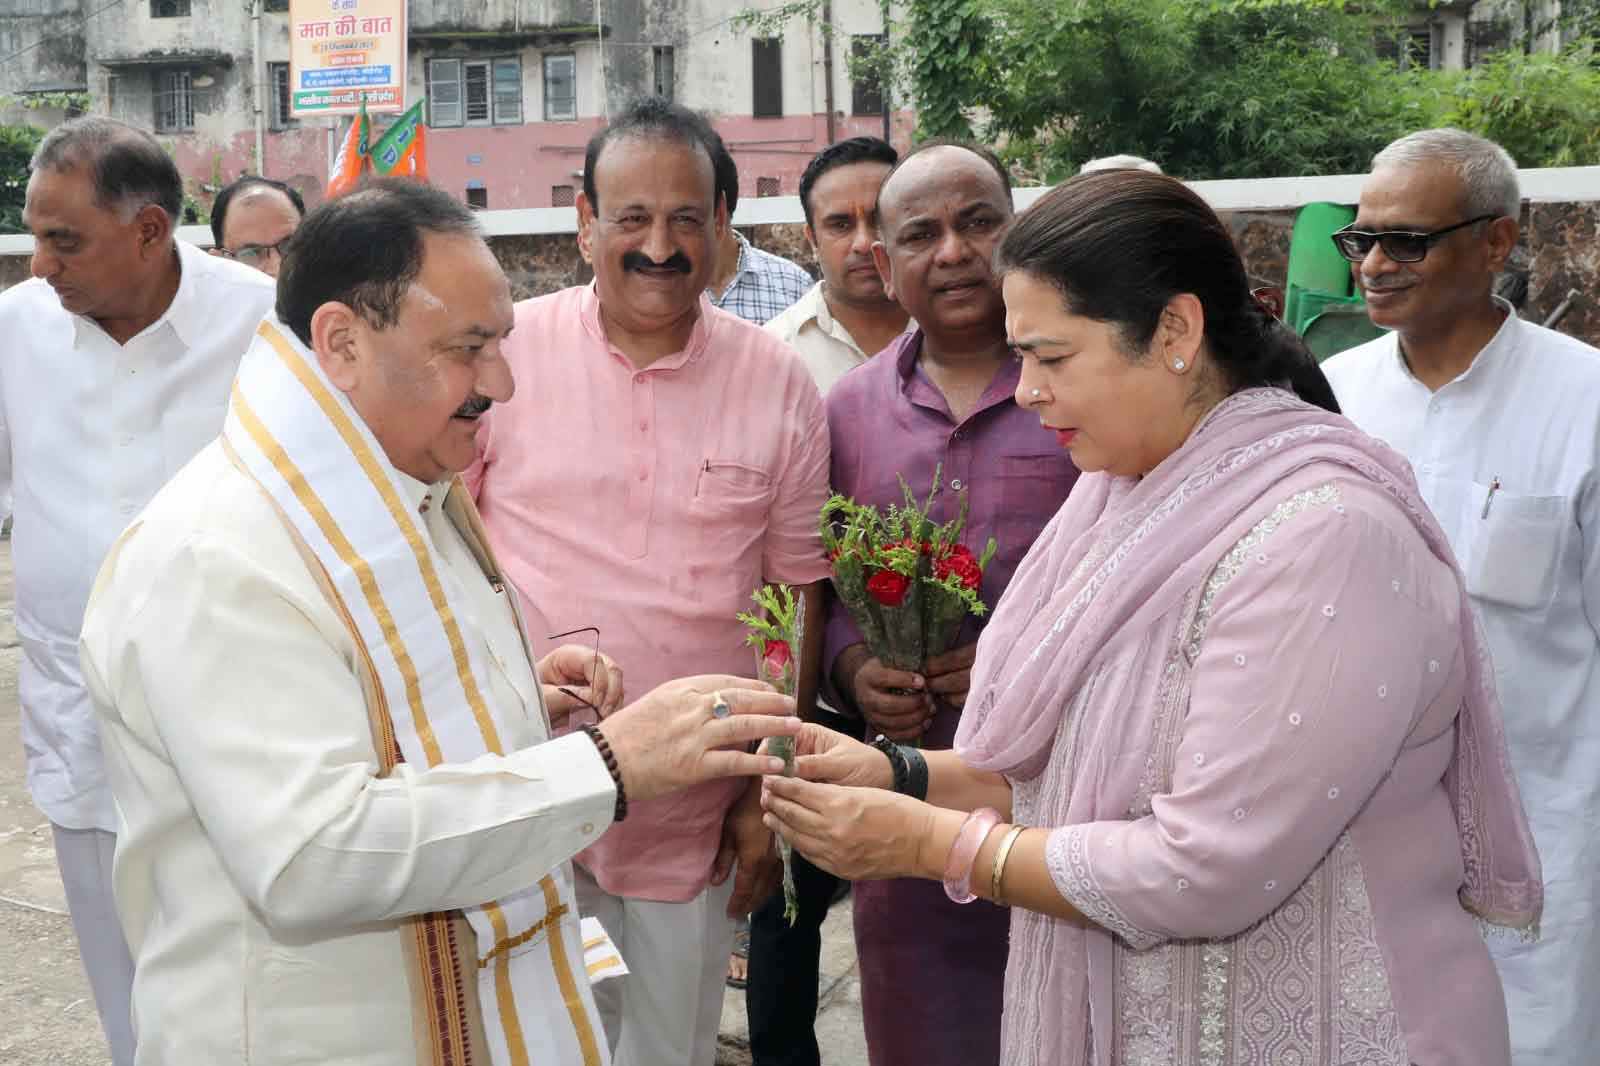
[(262, 868)]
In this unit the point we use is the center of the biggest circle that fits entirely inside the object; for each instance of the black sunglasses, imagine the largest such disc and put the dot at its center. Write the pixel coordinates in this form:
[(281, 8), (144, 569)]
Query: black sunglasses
[(1403, 246)]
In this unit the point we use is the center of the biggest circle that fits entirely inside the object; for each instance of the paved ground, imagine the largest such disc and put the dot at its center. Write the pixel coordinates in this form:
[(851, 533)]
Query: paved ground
[(47, 1017)]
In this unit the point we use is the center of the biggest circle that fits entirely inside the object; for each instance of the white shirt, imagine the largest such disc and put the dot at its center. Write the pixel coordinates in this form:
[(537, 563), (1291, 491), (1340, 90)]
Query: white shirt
[(824, 345), (262, 867), (1508, 457), (89, 430)]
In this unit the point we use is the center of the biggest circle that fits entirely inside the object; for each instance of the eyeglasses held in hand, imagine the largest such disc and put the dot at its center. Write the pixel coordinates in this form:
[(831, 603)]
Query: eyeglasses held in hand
[(1400, 245), (594, 671), (253, 254)]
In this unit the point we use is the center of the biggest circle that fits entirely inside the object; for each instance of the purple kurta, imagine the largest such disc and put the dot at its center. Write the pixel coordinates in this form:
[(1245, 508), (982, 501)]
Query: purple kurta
[(932, 972)]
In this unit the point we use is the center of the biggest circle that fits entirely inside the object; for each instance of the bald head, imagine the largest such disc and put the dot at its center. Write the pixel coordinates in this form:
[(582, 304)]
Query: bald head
[(934, 165), (127, 168)]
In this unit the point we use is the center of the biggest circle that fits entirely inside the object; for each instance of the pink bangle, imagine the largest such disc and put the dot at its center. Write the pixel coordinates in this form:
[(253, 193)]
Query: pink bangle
[(964, 852)]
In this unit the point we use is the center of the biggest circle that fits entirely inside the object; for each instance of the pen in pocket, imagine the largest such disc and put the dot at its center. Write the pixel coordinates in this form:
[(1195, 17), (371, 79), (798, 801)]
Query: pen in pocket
[(1488, 501)]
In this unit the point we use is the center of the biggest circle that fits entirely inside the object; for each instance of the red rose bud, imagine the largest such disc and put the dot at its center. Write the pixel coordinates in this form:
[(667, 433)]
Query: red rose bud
[(888, 587), (776, 657)]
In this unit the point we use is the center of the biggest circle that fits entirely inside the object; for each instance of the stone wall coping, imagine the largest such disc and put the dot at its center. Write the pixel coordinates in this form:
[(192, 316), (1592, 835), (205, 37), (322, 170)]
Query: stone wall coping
[(1543, 185)]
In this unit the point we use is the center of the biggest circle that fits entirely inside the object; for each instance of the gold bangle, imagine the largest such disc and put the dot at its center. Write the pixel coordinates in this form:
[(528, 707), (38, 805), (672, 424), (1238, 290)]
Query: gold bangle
[(1000, 856)]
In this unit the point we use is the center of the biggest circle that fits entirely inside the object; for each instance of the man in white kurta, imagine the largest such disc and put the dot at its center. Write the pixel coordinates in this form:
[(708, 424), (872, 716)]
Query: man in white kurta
[(1501, 423), (115, 361), (345, 831)]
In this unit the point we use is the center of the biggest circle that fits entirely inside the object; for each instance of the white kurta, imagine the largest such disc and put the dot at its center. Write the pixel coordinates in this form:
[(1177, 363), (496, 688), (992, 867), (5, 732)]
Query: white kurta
[(1524, 417), (262, 869), (89, 430)]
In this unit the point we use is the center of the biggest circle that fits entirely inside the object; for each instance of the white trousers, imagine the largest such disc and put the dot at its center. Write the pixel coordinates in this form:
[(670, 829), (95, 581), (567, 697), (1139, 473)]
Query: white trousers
[(84, 859), (668, 1009)]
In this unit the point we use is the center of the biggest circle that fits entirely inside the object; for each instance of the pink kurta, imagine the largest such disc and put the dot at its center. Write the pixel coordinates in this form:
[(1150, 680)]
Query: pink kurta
[(650, 504), (1250, 779)]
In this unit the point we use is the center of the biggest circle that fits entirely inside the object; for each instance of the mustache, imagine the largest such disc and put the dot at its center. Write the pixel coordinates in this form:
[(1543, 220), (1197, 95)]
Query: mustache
[(474, 406), (639, 261), (1390, 281)]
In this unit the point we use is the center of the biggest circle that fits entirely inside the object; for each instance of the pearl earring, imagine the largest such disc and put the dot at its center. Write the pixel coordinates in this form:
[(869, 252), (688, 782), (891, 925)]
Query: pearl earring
[(1178, 364)]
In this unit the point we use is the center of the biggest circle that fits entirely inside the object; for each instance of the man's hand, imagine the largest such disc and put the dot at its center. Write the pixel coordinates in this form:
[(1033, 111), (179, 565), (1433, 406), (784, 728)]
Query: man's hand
[(671, 738), (749, 844), (594, 677), (880, 694), (950, 674)]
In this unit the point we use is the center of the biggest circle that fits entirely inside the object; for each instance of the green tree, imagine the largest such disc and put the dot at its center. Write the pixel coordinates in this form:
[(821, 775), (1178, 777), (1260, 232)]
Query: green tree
[(16, 149)]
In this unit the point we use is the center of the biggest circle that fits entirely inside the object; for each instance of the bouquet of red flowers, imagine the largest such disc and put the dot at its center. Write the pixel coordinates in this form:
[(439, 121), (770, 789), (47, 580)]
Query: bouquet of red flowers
[(907, 582), (776, 631)]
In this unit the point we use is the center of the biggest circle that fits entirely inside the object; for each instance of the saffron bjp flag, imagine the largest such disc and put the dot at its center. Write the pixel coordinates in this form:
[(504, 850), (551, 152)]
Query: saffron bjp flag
[(402, 151), (354, 156)]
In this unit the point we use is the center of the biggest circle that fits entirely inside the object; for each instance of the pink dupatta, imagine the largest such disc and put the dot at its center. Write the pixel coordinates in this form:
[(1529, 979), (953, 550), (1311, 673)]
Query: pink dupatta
[(1122, 553)]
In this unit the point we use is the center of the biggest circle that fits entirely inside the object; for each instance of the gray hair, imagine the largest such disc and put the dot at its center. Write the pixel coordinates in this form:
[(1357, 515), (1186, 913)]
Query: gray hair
[(1120, 162), (1488, 173), (128, 167)]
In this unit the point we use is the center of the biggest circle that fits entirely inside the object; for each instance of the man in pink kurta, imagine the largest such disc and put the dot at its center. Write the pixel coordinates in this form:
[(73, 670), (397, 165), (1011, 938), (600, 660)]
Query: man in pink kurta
[(661, 460)]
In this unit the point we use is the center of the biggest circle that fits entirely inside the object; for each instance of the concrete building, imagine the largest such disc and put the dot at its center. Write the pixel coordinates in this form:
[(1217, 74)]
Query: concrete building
[(1456, 34), (515, 87)]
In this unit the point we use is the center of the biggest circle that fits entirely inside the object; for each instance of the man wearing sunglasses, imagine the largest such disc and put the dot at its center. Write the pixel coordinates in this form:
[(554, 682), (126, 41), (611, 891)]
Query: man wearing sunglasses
[(1501, 421), (252, 220)]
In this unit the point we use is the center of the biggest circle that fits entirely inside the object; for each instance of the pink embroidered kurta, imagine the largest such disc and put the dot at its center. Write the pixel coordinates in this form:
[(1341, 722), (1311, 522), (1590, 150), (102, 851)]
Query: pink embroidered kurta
[(1261, 760)]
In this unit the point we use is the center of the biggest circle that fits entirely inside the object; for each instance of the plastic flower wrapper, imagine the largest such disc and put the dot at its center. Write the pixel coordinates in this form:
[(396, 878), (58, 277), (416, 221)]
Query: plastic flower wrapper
[(776, 630), (907, 582)]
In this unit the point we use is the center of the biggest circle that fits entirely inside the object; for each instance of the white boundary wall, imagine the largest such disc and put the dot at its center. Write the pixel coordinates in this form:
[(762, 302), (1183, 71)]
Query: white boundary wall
[(1556, 184)]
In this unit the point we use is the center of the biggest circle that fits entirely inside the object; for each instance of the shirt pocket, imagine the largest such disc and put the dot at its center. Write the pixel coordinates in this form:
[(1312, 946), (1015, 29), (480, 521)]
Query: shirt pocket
[(731, 502), (1032, 489), (1511, 545), (185, 432)]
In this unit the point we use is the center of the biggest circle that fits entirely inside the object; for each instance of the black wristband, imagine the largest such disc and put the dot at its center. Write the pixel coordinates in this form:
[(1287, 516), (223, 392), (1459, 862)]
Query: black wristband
[(897, 762), (916, 772), (607, 756)]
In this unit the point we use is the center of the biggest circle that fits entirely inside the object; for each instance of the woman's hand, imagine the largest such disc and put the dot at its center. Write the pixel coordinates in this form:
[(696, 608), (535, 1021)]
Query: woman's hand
[(574, 677), (854, 833), (830, 757)]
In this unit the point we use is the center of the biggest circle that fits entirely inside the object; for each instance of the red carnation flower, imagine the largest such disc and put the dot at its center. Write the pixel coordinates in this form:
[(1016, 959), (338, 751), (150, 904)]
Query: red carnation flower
[(888, 587), (960, 561)]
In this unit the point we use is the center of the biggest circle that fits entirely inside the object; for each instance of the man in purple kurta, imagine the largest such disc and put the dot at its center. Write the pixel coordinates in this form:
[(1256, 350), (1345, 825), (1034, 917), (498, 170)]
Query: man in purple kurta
[(939, 397)]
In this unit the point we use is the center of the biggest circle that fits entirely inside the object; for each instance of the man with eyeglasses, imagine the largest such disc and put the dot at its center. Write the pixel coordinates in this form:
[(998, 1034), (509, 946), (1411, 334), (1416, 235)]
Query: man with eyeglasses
[(252, 220), (115, 365), (1501, 421)]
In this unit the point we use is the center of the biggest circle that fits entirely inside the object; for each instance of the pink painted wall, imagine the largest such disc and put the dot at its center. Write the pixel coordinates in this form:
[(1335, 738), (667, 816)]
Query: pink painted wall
[(519, 165)]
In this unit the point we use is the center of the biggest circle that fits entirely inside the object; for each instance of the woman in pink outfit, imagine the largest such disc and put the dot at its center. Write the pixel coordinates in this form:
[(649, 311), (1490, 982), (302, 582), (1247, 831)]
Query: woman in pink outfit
[(1234, 712)]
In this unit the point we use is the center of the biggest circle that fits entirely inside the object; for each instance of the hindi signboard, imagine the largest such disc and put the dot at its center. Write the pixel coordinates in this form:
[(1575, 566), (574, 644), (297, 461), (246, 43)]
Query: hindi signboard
[(342, 50)]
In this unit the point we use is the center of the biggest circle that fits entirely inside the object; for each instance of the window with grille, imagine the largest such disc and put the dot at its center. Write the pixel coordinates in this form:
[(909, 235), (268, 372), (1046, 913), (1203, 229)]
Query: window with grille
[(666, 76), (562, 196), (866, 87), (560, 87), (169, 9), (475, 92), (767, 187), (478, 199), (278, 86), (767, 70), (174, 101)]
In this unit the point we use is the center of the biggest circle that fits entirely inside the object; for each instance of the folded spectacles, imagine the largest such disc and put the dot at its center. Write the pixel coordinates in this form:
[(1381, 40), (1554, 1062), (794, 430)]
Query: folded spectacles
[(1400, 245), (594, 670)]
